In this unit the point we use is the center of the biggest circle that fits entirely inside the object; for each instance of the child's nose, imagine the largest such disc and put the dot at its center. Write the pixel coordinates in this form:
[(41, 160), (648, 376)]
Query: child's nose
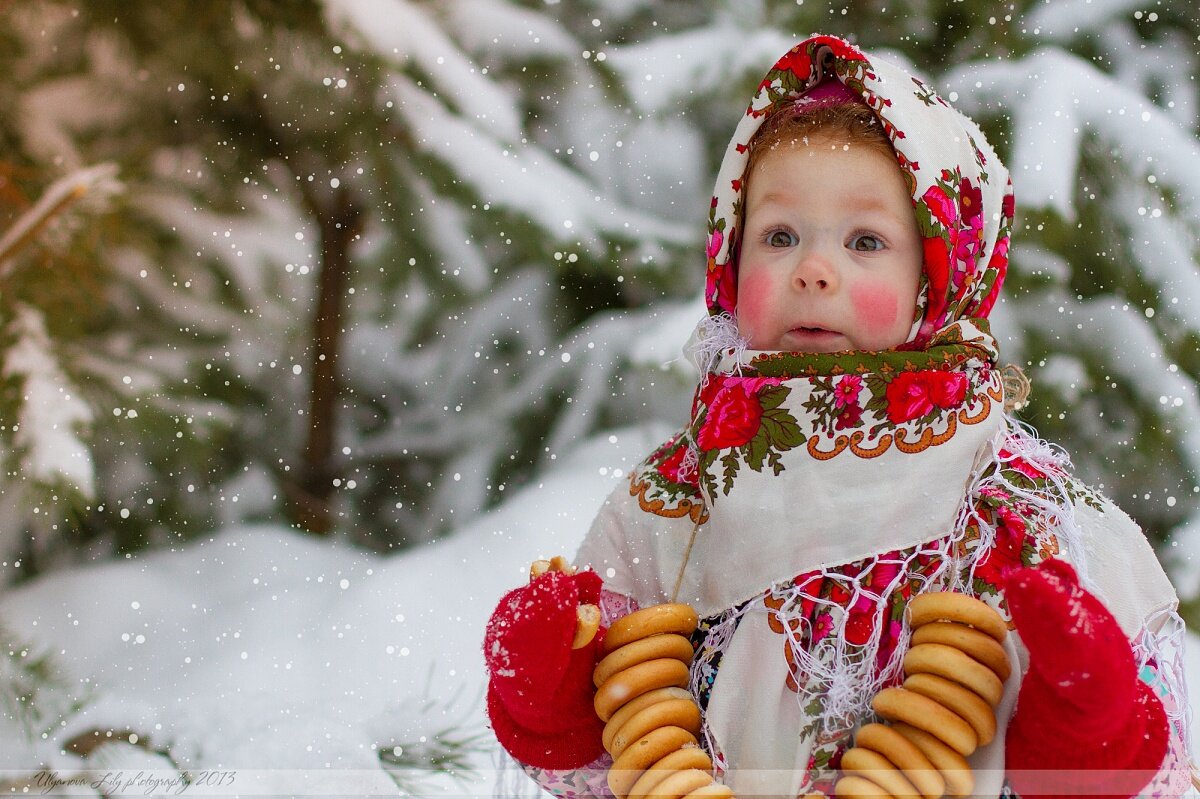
[(814, 272)]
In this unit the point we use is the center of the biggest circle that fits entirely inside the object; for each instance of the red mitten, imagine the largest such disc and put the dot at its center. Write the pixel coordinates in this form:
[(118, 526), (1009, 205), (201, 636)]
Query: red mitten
[(1085, 724), (540, 693)]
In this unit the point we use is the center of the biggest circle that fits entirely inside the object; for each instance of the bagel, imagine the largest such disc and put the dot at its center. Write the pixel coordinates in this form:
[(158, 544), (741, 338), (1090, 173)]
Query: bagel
[(670, 617), (899, 704), (714, 791), (958, 700), (906, 755), (677, 784), (634, 705), (953, 606), (587, 623), (953, 767), (642, 754), (668, 645), (878, 769), (689, 757), (854, 786), (981, 646), (637, 680), (957, 666), (683, 713)]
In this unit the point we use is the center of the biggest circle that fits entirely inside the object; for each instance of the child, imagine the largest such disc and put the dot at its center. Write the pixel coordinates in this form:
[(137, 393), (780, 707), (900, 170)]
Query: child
[(848, 449)]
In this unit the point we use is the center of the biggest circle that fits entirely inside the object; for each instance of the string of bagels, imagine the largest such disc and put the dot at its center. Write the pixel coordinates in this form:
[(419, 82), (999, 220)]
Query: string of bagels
[(945, 709)]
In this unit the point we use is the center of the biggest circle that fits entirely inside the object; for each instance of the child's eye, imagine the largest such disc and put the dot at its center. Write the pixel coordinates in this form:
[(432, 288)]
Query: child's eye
[(866, 242), (780, 238)]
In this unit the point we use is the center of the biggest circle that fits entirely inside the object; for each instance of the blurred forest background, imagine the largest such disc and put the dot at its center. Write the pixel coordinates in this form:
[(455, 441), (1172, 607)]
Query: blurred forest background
[(365, 265)]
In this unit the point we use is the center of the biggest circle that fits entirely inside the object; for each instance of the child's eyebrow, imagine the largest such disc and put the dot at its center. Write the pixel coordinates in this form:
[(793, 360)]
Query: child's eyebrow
[(863, 202)]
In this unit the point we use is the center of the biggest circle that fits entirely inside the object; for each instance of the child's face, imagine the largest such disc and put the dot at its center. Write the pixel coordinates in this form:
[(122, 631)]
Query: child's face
[(831, 257)]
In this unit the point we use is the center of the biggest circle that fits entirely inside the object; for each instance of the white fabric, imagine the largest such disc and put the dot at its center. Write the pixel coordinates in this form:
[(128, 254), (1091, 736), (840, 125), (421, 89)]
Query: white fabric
[(753, 718)]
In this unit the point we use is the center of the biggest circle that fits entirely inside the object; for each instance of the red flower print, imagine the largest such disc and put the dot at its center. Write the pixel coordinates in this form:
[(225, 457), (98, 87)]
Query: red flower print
[(670, 468), (946, 389), (796, 61), (1021, 465), (714, 242), (733, 418), (941, 206), (970, 200), (1008, 205), (1005, 554), (822, 624), (849, 418), (937, 273), (907, 398), (846, 391), (722, 287), (843, 49), (861, 623), (911, 395), (969, 240), (998, 264)]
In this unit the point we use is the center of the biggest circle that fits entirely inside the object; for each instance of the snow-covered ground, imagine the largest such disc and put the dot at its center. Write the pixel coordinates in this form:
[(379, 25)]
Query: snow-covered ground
[(276, 663)]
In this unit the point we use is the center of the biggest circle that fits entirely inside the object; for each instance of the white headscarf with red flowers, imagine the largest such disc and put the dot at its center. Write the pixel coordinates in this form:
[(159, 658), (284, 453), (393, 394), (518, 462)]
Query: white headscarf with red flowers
[(874, 475)]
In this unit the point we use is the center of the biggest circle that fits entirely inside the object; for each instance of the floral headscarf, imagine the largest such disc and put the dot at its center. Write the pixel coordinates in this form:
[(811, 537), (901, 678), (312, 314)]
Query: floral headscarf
[(961, 193)]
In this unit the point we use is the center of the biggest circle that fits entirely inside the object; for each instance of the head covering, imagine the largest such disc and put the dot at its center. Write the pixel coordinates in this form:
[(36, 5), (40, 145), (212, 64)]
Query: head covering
[(962, 195)]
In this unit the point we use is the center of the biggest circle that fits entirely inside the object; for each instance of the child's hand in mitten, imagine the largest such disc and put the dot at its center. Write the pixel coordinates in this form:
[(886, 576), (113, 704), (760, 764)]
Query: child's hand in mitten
[(1084, 720), (540, 647)]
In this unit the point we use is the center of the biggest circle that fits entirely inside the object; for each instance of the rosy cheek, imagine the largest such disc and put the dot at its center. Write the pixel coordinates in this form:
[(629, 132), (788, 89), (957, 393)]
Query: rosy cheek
[(754, 290), (876, 307)]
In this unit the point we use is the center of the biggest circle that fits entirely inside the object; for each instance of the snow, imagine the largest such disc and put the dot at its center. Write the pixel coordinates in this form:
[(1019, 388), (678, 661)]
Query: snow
[(53, 414), (515, 177), (402, 30), (1083, 99)]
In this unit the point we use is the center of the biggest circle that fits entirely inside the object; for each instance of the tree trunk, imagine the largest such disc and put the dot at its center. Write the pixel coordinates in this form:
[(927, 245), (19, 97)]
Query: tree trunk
[(309, 497)]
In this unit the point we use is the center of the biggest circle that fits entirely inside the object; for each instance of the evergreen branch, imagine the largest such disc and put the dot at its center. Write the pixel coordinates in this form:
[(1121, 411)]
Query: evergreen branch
[(61, 194)]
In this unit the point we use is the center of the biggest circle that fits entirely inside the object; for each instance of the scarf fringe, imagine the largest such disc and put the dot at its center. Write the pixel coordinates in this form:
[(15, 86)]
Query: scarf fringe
[(713, 338), (716, 641), (843, 677), (1161, 640)]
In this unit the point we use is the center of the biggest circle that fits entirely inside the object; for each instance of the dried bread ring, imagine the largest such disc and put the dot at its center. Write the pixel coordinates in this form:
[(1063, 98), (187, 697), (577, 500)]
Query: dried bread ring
[(953, 606), (668, 645), (899, 704), (855, 786), (642, 754), (683, 713), (871, 765), (587, 624), (981, 646), (680, 783), (637, 680), (627, 710), (669, 617), (559, 563), (911, 761), (538, 568), (954, 768), (957, 666), (958, 700), (688, 757), (714, 791)]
